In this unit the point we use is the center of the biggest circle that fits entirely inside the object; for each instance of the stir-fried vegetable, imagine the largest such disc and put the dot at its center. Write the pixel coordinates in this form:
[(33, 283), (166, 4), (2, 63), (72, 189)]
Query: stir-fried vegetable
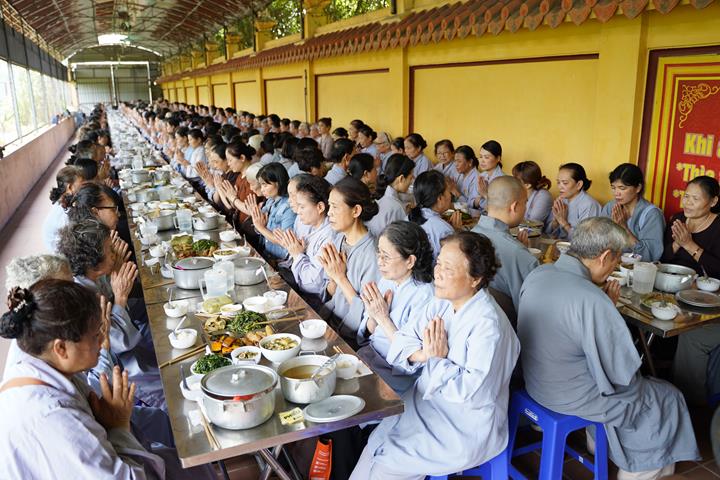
[(204, 248), (246, 321), (210, 362)]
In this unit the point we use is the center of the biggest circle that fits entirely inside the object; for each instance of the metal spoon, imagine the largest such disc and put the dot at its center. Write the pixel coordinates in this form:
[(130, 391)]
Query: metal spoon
[(182, 320), (316, 374), (184, 380)]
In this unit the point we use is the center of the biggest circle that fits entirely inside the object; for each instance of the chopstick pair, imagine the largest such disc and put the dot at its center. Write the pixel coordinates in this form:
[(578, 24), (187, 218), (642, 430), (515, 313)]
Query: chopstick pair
[(208, 431), (184, 356), (286, 319)]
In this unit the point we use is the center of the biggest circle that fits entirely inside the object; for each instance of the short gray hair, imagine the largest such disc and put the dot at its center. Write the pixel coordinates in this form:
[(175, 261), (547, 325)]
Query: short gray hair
[(252, 171), (25, 271), (594, 235)]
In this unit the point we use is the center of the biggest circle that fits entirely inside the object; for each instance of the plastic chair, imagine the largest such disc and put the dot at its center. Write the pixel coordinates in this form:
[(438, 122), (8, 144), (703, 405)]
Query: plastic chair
[(556, 428), (495, 469)]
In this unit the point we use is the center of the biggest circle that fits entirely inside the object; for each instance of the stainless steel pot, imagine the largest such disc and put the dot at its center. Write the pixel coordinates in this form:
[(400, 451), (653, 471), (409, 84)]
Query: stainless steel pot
[(673, 278), (140, 176), (306, 390), (205, 221), (246, 270), (238, 397), (145, 196), (164, 220), (188, 272)]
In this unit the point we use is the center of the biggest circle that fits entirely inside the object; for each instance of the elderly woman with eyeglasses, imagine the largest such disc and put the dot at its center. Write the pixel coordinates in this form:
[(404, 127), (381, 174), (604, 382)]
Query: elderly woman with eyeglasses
[(405, 263)]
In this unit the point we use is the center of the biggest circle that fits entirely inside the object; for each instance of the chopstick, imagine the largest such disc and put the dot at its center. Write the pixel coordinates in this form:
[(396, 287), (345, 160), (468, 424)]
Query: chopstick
[(216, 315), (208, 432), (337, 349), (184, 356), (286, 319)]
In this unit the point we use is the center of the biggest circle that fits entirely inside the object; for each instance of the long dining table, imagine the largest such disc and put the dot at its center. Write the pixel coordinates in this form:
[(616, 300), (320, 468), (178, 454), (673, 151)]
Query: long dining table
[(196, 445)]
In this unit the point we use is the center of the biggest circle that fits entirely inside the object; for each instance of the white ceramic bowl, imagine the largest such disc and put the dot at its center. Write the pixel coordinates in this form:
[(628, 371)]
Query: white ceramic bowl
[(313, 328), (256, 304), (238, 361), (279, 356), (275, 298), (562, 247), (535, 252), (667, 312), (231, 309), (177, 309), (185, 338), (346, 365), (620, 277), (243, 251), (157, 251), (190, 200), (153, 205), (137, 207), (228, 235), (631, 258), (193, 392), (708, 284), (206, 209), (220, 255)]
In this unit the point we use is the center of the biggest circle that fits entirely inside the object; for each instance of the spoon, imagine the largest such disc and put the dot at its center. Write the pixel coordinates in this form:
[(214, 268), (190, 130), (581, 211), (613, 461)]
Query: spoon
[(170, 302), (184, 380), (322, 367), (182, 320)]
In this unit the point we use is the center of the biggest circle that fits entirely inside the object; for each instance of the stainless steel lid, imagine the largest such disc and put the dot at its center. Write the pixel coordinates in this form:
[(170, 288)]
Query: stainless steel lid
[(249, 263), (194, 263), (241, 382)]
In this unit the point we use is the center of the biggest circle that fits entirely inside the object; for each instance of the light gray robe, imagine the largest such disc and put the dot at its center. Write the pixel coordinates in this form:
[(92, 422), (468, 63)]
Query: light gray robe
[(516, 262), (579, 359), (409, 300), (579, 208), (307, 271), (361, 268), (391, 208), (648, 225), (436, 229), (456, 413), (468, 185), (335, 174), (539, 206)]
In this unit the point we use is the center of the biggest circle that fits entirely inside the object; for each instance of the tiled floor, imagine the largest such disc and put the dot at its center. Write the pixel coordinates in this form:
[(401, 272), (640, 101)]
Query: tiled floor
[(706, 469)]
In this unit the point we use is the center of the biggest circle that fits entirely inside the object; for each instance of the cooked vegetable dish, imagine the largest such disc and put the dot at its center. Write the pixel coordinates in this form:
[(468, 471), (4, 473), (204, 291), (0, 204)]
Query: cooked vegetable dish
[(282, 343), (210, 362), (246, 321)]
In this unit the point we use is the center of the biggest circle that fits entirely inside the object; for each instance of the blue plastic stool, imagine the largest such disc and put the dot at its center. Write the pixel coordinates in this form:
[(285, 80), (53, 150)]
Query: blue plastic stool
[(495, 469), (556, 428)]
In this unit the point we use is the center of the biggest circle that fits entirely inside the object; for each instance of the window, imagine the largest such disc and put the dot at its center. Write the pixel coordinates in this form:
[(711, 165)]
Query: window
[(41, 106), (23, 94), (53, 101), (8, 127)]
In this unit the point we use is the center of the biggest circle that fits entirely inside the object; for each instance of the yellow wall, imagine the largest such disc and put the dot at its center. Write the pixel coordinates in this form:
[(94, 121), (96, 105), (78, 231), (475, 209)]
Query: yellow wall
[(246, 96), (338, 97), (180, 94), (473, 104), (285, 96), (584, 110), (203, 93), (221, 95)]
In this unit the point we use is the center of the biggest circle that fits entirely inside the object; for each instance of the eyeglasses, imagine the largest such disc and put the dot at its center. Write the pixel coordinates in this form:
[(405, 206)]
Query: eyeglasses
[(116, 208), (384, 257)]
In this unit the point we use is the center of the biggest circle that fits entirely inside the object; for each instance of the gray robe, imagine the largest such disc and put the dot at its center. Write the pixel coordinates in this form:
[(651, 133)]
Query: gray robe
[(648, 225), (516, 262), (578, 359), (579, 208), (361, 268)]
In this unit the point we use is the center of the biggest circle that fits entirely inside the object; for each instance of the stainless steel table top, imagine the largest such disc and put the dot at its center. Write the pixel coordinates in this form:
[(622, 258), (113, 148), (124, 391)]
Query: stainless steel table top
[(191, 442)]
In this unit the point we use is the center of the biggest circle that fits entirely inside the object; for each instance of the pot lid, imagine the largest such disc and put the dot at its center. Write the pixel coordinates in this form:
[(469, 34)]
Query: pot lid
[(250, 263), (239, 381), (194, 263), (334, 408)]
